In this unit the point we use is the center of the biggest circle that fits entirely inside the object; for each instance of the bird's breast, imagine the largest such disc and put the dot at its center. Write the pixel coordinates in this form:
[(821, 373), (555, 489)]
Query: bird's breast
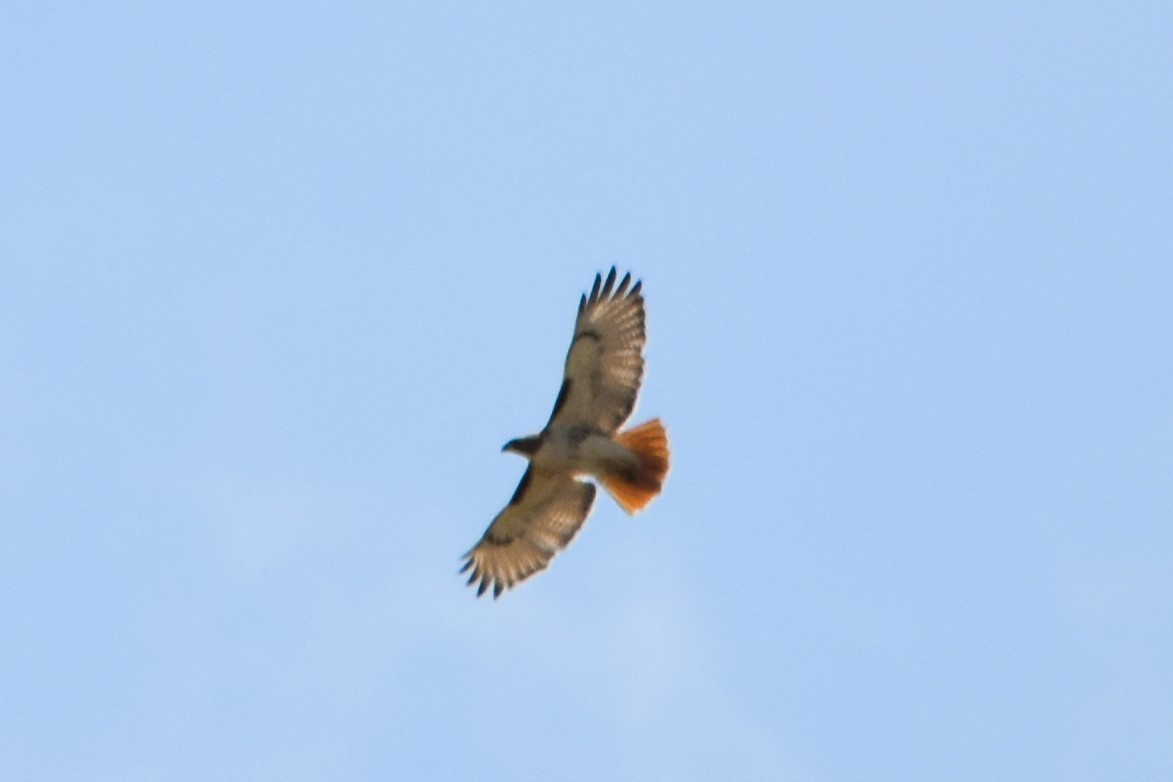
[(558, 452), (578, 451)]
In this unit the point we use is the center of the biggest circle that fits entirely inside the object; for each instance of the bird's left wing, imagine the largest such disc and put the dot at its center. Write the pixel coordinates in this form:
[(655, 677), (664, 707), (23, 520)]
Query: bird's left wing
[(546, 512), (605, 365)]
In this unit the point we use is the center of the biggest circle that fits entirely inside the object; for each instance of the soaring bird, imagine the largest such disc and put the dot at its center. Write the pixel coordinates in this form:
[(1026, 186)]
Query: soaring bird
[(600, 383)]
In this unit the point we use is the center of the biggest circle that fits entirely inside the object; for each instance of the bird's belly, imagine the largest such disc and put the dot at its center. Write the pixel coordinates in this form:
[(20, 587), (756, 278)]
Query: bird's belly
[(591, 455)]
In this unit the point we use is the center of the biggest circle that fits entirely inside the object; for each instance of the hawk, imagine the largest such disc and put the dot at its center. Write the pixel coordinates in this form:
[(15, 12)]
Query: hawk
[(600, 383)]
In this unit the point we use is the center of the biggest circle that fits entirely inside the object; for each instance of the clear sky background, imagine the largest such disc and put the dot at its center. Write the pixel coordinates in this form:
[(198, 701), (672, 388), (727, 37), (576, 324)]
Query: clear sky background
[(277, 281)]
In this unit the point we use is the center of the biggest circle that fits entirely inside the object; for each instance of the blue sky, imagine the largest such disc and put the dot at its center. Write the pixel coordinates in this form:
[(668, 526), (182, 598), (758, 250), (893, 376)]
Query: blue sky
[(278, 281)]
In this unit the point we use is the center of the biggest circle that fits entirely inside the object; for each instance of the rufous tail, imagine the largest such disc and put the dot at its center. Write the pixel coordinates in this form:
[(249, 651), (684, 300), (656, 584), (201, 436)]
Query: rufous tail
[(634, 488)]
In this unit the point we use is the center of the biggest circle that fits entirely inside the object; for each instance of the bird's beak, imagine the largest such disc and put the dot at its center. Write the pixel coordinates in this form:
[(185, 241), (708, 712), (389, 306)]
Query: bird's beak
[(526, 446)]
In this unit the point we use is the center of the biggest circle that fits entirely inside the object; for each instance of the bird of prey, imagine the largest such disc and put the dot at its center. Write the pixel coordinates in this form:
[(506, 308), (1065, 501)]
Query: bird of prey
[(600, 383)]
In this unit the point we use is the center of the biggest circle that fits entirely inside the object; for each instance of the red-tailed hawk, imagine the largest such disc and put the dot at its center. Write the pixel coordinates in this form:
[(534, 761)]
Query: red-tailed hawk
[(581, 440)]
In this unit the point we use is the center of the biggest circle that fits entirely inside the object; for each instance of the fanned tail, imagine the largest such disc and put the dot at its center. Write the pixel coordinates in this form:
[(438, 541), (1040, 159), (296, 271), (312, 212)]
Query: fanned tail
[(634, 487)]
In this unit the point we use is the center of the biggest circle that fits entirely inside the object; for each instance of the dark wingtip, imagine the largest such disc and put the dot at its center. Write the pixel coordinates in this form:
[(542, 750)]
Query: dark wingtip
[(498, 588), (581, 303), (610, 282), (467, 565), (484, 585), (623, 285), (635, 289), (595, 288)]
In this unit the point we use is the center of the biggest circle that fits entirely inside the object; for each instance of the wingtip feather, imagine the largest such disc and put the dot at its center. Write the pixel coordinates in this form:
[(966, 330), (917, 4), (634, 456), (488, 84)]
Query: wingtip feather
[(609, 283), (623, 285)]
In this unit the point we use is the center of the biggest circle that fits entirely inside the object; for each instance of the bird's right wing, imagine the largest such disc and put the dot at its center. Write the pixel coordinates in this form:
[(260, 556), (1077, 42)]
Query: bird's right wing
[(540, 520)]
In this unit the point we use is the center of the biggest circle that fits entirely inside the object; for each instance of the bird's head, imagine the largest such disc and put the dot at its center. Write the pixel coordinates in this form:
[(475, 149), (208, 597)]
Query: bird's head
[(524, 446)]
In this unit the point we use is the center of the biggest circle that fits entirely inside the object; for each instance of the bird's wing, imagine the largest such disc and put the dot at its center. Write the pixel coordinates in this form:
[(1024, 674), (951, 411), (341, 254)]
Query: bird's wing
[(541, 519), (605, 364)]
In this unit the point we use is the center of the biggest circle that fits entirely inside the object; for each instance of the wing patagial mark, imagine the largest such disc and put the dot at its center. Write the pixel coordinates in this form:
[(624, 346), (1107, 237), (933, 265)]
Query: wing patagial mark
[(588, 499), (563, 393), (519, 492)]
